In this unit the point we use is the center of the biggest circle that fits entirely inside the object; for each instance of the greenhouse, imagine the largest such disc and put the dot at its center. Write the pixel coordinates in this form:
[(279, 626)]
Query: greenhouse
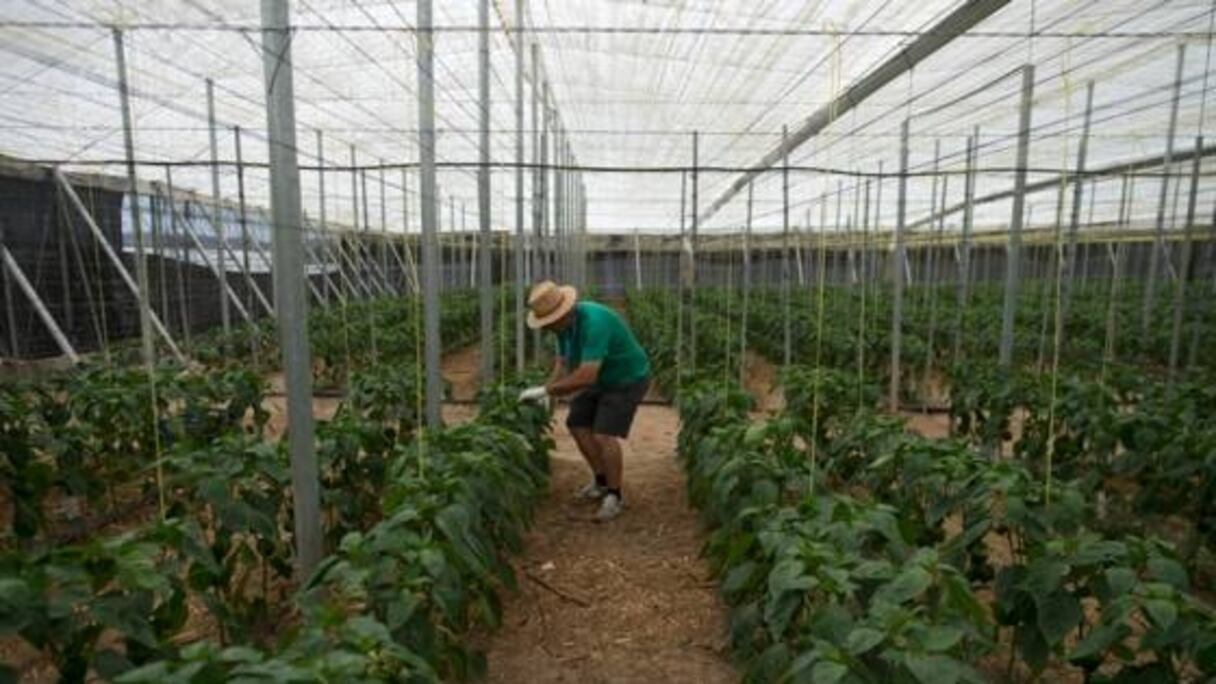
[(622, 341)]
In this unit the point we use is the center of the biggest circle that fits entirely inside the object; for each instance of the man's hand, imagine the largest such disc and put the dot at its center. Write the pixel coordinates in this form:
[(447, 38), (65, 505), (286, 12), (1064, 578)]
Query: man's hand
[(534, 393)]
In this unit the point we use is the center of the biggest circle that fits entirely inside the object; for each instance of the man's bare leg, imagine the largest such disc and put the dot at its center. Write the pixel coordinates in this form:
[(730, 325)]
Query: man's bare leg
[(589, 447), (610, 459)]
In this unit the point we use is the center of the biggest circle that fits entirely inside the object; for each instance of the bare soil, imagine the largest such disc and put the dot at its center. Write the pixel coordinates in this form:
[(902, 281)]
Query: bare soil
[(460, 369), (620, 602), (760, 379), (930, 425)]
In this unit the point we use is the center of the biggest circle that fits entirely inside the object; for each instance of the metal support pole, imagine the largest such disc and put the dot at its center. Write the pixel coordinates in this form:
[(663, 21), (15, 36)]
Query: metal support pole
[(1075, 213), (538, 201), (897, 267), (243, 221), (291, 303), (1116, 252), (330, 289), (217, 224), (745, 286), (692, 312), (31, 294), (964, 262), (927, 252), (183, 258), (546, 245), (226, 290), (932, 285), (407, 253), (253, 288), (685, 261), (364, 233), (358, 257), (637, 260), (483, 194), (1184, 264), (520, 243), (158, 252), (471, 239), (865, 277), (384, 230), (1093, 192), (1012, 272), (787, 331), (1166, 160), (428, 198), (65, 283), (148, 352), (559, 195)]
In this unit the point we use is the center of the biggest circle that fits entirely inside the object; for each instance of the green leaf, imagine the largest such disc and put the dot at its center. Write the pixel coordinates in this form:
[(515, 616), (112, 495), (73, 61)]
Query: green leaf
[(1044, 576), (1098, 640), (152, 673), (455, 523), (122, 614), (788, 575), (941, 638), (828, 672), (932, 669), (1169, 571), (739, 577), (907, 585), (771, 663), (1032, 646), (800, 665), (1163, 612), (862, 640), (1058, 615), (241, 654), (779, 609), (110, 663), (1120, 580)]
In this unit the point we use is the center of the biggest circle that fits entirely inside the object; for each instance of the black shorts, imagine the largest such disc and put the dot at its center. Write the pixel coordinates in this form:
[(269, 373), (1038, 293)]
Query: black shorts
[(607, 410)]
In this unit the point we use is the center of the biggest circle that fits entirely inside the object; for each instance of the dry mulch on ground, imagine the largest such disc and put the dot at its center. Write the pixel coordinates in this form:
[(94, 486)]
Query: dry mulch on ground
[(618, 602)]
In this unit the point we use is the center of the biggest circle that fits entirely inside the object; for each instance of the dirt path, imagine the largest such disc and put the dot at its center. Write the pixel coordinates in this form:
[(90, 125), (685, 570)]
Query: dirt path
[(651, 613), (461, 368)]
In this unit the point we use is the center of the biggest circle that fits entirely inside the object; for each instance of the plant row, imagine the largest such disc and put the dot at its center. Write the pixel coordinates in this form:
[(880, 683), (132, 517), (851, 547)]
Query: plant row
[(845, 327), (416, 523), (77, 447), (853, 551)]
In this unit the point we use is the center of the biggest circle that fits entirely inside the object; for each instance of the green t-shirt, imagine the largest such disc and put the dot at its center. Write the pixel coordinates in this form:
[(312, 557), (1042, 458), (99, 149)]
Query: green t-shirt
[(600, 334)]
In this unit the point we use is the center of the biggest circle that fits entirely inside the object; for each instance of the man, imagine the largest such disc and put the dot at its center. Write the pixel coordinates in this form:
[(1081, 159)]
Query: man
[(601, 365)]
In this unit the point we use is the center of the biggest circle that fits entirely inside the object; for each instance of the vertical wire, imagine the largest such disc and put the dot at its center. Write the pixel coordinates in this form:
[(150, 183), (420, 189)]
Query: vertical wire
[(1058, 313)]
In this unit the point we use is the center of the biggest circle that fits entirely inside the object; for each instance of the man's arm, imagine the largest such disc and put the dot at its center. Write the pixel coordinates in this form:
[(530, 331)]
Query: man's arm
[(559, 369), (584, 376)]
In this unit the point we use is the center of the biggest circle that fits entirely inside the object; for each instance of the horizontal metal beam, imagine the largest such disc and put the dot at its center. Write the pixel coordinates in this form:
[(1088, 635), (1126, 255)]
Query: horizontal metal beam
[(1114, 169), (956, 23)]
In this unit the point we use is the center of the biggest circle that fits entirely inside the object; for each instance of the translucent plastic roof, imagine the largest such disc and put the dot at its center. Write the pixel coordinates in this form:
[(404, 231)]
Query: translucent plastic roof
[(631, 80)]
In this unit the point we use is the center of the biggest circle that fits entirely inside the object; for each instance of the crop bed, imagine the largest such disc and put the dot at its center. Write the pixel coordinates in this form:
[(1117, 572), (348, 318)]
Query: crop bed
[(417, 521), (851, 550)]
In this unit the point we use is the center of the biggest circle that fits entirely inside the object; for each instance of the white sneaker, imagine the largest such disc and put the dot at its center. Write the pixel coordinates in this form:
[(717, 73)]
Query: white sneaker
[(590, 492), (610, 507)]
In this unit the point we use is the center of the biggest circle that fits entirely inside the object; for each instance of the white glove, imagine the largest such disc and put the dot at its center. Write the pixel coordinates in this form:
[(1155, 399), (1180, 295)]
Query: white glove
[(537, 393)]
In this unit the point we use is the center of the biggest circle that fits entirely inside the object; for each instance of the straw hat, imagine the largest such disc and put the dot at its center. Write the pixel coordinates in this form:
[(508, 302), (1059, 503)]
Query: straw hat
[(548, 302)]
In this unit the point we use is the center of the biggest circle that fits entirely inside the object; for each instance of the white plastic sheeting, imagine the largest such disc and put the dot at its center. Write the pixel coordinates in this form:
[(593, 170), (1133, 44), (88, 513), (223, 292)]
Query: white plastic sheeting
[(631, 80)]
